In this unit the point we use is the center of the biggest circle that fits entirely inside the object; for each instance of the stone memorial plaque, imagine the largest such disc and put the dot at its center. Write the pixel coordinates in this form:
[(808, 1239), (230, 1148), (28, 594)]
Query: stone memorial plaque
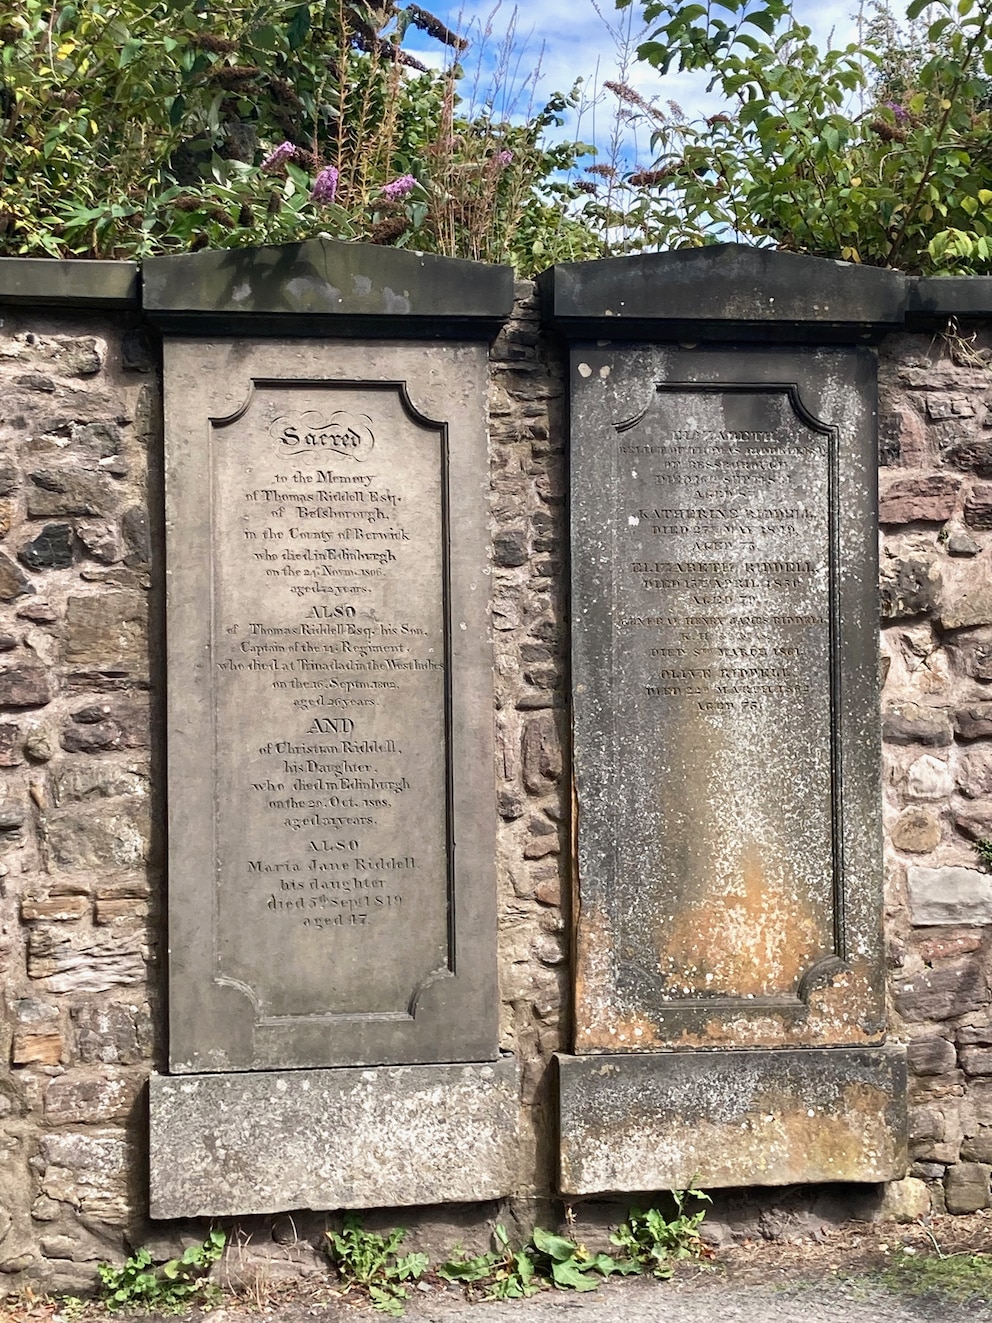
[(726, 742), (330, 827)]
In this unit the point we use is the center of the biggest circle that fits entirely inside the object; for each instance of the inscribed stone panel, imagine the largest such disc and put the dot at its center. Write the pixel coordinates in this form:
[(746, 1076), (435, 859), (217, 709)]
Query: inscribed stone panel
[(328, 724), (725, 709)]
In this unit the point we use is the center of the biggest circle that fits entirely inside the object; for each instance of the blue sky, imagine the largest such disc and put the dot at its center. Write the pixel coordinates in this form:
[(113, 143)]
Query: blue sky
[(587, 38)]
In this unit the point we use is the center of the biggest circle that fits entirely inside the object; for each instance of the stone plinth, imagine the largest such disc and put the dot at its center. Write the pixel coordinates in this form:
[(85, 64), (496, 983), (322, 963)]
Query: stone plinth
[(668, 1120), (263, 1142)]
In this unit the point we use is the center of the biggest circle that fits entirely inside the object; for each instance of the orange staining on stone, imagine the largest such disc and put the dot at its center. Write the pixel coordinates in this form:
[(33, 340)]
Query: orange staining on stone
[(600, 1024), (753, 940), (733, 961)]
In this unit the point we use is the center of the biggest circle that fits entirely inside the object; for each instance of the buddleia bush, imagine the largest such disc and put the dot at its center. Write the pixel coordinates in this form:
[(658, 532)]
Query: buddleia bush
[(132, 127), (878, 152)]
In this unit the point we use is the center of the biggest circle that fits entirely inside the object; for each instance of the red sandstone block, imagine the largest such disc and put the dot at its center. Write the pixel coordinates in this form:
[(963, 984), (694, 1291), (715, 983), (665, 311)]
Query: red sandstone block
[(918, 497)]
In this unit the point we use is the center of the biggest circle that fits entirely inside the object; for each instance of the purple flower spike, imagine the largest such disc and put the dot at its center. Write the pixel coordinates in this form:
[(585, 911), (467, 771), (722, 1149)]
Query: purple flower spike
[(399, 187), (325, 185), (503, 159), (899, 111), (284, 152)]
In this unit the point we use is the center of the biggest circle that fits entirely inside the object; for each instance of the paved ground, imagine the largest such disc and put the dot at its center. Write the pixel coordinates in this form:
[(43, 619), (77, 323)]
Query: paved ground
[(841, 1273), (834, 1273), (712, 1301)]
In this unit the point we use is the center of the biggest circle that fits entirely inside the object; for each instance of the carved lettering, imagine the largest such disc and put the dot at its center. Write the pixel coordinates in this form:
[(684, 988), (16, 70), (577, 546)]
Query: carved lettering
[(347, 434), (720, 612), (330, 640)]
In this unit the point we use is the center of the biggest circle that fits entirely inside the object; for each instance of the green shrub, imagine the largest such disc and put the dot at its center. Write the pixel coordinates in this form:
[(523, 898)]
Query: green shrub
[(880, 154), (133, 127)]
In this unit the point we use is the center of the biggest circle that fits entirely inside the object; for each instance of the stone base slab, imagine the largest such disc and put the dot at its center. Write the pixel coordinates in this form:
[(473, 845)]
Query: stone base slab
[(271, 1141), (663, 1120)]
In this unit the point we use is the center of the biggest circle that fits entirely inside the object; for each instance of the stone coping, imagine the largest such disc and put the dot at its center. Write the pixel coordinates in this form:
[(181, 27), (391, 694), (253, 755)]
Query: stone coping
[(327, 287), (733, 291), (934, 298), (330, 287), (724, 283), (69, 283)]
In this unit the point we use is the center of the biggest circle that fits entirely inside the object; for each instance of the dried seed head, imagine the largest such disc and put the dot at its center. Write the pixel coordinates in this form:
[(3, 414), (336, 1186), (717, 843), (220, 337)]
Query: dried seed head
[(232, 75), (886, 131), (628, 95), (649, 178), (284, 92), (286, 121), (206, 41), (404, 57), (388, 229), (433, 26)]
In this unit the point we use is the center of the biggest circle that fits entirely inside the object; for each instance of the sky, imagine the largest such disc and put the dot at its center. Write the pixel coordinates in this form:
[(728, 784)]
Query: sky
[(587, 38)]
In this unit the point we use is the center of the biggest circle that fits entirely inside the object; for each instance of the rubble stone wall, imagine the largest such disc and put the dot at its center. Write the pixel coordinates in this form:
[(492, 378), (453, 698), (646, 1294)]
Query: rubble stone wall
[(530, 538), (81, 817), (936, 597), (82, 749)]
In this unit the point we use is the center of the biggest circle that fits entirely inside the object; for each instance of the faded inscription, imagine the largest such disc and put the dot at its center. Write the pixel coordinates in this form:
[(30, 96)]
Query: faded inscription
[(721, 607), (328, 651)]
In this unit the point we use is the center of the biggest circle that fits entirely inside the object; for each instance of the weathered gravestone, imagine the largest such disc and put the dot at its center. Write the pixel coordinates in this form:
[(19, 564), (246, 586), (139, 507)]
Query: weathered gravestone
[(729, 994), (331, 801)]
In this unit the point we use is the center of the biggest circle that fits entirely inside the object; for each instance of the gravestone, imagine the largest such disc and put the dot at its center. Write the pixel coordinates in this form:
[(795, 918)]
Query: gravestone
[(331, 796), (726, 754)]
